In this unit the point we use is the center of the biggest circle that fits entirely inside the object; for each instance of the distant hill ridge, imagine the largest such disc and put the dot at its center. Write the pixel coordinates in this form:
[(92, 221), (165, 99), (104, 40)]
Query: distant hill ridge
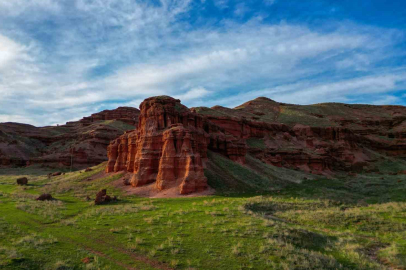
[(82, 142)]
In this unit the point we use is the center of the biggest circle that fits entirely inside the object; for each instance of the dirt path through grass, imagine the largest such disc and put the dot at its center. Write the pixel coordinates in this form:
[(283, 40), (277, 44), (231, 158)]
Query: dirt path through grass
[(143, 261), (135, 257), (34, 225)]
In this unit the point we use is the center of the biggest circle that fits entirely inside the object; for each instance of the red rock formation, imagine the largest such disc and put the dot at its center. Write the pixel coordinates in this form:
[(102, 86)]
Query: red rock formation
[(328, 145), (83, 142), (128, 115), (243, 128), (169, 148), (181, 163), (103, 198), (320, 137), (315, 149)]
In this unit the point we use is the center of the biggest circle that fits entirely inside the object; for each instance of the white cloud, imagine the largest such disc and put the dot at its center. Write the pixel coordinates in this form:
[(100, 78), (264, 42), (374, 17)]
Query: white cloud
[(221, 4), (16, 7), (9, 51), (308, 92), (241, 9), (386, 100), (358, 62), (194, 93), (15, 118)]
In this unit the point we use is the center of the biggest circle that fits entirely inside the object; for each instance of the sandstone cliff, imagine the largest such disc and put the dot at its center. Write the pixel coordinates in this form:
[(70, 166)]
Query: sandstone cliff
[(169, 147), (317, 138)]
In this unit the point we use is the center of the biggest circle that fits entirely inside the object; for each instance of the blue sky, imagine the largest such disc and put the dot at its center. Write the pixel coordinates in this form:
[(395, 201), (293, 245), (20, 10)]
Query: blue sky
[(61, 60)]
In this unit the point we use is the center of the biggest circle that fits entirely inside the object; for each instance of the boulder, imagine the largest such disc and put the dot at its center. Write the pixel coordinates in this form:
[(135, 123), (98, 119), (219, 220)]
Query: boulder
[(102, 197), (45, 197), (126, 182), (23, 181)]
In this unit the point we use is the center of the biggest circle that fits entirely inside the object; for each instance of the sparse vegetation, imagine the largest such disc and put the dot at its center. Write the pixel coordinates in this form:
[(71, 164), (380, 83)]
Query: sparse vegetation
[(256, 143), (356, 222)]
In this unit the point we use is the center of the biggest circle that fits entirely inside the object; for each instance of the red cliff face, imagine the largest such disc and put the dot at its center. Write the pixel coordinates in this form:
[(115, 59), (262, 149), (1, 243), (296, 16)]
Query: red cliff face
[(320, 138), (127, 115), (169, 147), (315, 149)]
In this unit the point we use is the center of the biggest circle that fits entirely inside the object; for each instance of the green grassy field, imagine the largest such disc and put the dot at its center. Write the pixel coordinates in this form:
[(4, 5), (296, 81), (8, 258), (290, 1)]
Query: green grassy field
[(344, 223)]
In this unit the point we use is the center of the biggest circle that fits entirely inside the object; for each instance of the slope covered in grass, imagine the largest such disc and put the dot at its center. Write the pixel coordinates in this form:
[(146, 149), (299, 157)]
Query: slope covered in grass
[(227, 176), (343, 223), (255, 176)]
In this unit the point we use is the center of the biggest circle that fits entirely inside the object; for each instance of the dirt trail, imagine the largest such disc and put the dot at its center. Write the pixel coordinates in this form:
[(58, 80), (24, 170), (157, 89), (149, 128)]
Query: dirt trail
[(373, 255), (136, 257), (101, 254), (144, 259)]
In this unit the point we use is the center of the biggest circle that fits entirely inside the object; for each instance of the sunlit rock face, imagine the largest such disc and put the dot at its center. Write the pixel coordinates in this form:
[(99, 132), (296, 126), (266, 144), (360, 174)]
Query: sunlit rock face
[(169, 147)]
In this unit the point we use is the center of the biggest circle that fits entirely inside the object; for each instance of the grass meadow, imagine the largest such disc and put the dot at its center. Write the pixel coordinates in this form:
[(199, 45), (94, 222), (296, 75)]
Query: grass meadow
[(354, 222)]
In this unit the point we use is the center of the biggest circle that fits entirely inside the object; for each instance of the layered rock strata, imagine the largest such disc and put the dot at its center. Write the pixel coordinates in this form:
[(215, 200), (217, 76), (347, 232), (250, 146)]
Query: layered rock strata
[(314, 149), (169, 147), (318, 138), (127, 115)]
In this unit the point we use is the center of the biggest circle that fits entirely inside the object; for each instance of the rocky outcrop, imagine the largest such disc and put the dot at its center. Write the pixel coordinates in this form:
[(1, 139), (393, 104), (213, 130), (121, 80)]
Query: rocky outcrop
[(103, 198), (127, 115), (169, 147), (23, 181)]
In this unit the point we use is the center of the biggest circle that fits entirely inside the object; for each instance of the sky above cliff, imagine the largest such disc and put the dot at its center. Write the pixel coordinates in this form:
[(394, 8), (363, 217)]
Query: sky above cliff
[(61, 60)]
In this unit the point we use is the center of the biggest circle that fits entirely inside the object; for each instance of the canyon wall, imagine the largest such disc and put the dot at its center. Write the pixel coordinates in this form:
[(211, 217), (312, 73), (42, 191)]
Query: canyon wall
[(315, 149), (319, 138)]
